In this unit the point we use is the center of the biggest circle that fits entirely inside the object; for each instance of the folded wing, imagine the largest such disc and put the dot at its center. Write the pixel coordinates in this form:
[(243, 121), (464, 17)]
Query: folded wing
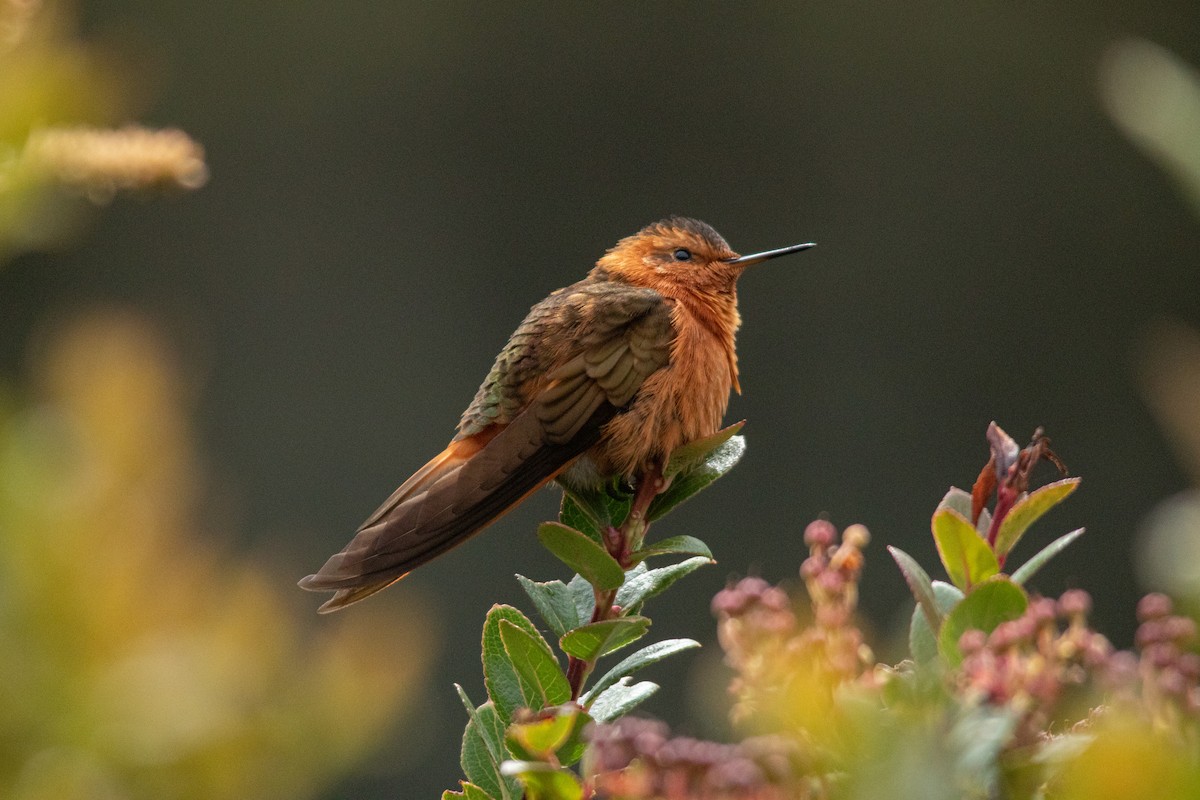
[(578, 358)]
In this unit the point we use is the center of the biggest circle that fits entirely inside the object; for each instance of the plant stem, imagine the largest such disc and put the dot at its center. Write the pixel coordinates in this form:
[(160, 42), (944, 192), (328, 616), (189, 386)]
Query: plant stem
[(621, 542)]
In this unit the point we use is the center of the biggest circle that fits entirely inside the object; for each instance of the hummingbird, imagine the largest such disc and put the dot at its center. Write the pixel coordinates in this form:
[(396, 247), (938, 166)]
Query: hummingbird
[(604, 378)]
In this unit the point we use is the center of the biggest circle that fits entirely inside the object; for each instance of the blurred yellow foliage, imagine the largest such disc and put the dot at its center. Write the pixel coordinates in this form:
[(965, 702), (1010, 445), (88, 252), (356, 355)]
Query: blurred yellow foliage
[(47, 77), (1129, 760), (140, 660)]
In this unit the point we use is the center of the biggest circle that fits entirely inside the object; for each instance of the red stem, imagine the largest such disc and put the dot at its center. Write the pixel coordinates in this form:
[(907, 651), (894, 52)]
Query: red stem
[(620, 544)]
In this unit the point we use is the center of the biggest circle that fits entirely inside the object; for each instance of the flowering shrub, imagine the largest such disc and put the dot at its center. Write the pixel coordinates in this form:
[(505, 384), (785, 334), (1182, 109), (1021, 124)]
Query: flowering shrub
[(1006, 693)]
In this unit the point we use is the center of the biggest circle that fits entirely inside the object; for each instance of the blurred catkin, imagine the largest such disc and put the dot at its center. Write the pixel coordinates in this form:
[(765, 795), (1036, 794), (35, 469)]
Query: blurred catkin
[(102, 162), (59, 98)]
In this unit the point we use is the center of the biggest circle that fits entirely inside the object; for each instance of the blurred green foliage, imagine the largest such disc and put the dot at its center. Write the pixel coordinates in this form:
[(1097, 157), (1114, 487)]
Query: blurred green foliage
[(140, 659), (1018, 697), (1154, 98), (47, 78)]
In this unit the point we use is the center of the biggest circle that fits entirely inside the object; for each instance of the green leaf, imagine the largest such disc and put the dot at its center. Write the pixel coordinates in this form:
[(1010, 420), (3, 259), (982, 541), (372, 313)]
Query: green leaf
[(919, 584), (1063, 748), (484, 734), (1031, 567), (966, 556), (582, 554), (1027, 511), (576, 744), (686, 484), (675, 545), (466, 701), (957, 500), (632, 574), (495, 748), (469, 792), (620, 698), (977, 739), (584, 597), (990, 603), (922, 642), (541, 738), (536, 664), (554, 603), (572, 514), (641, 584), (651, 654), (508, 688), (543, 781), (595, 639), (984, 524), (604, 505), (693, 453)]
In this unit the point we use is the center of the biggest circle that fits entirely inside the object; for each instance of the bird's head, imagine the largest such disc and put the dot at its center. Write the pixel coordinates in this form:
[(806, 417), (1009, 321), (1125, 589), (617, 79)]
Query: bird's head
[(678, 257)]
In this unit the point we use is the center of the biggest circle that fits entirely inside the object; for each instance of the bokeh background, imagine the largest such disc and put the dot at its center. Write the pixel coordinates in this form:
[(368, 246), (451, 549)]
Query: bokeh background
[(205, 394)]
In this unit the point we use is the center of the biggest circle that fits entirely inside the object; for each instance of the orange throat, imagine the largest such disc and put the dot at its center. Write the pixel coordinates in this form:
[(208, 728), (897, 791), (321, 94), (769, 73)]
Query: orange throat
[(718, 317)]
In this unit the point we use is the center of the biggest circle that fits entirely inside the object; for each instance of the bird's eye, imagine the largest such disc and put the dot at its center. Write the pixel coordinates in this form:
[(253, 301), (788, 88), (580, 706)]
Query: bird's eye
[(683, 255)]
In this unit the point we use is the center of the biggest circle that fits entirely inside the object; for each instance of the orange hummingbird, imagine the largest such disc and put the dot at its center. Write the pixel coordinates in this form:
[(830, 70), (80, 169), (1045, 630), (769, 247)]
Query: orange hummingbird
[(603, 378)]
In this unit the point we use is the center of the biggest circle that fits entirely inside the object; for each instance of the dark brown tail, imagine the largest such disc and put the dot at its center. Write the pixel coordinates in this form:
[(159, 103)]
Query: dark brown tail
[(453, 497)]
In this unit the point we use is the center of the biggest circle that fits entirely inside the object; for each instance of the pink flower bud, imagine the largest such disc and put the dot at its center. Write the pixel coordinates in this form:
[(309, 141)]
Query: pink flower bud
[(812, 567), (1042, 610), (1189, 665), (1172, 682), (753, 586), (1153, 606), (1075, 603), (775, 599), (1179, 629), (729, 603), (820, 533), (831, 582), (1150, 632), (1161, 654)]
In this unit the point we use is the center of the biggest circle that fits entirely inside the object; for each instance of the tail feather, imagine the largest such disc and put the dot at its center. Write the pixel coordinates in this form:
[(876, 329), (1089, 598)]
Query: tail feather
[(454, 496), (344, 597)]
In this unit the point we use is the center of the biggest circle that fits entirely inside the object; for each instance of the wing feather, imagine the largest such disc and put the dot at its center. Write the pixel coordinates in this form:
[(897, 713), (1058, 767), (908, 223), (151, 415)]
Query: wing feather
[(578, 358)]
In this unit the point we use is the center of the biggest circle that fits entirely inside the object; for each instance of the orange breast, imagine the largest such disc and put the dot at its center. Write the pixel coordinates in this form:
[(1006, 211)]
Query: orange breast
[(685, 400)]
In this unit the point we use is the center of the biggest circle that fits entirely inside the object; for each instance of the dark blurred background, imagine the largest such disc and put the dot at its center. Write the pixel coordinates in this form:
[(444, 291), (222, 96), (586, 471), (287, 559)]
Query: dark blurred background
[(394, 184)]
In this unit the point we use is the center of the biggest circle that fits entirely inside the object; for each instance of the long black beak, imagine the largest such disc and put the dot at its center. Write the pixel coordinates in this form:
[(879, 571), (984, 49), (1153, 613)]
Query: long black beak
[(757, 258)]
